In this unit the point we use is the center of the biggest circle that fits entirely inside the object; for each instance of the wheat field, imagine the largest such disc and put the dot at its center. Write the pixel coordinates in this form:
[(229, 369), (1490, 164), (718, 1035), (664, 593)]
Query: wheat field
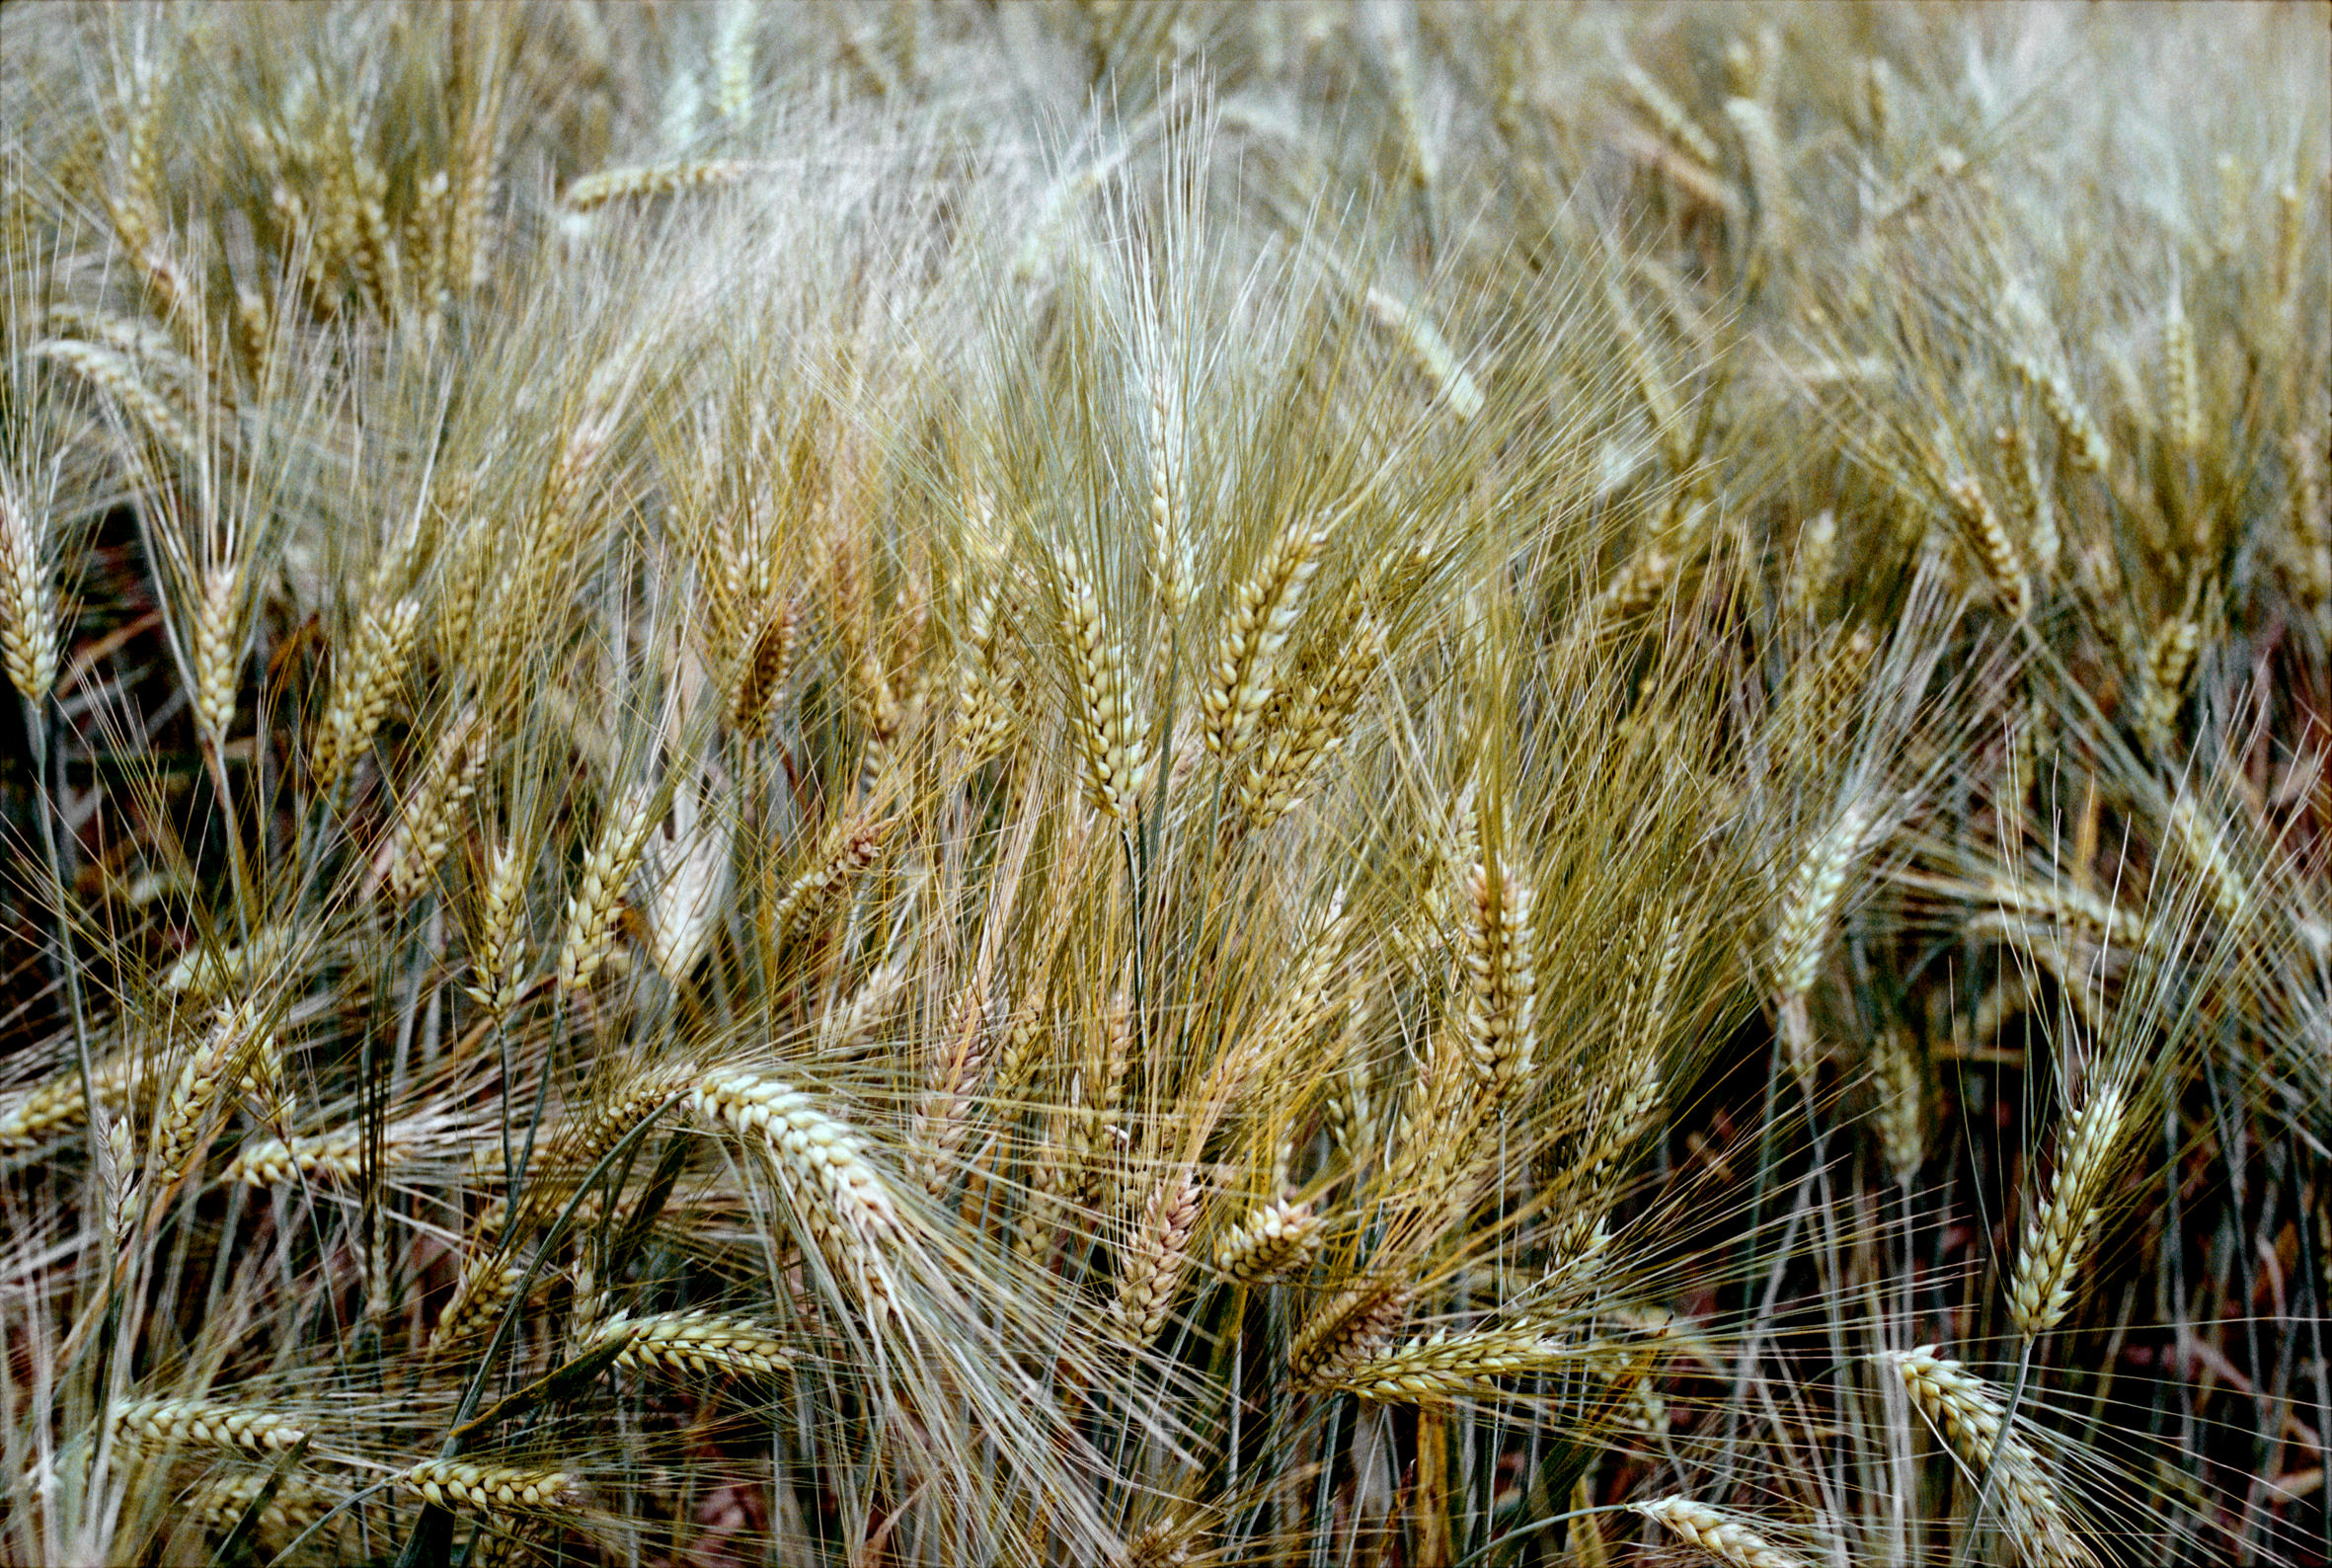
[(1412, 784)]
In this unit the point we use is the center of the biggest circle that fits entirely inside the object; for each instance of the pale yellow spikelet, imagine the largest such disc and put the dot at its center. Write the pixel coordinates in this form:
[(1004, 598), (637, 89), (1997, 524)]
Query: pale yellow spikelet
[(1446, 1365), (1310, 727), (1810, 909), (2029, 496), (497, 951), (163, 1423), (608, 871), (1964, 1409), (121, 378), (2058, 1232), (299, 1501), (2182, 396), (491, 1488), (1902, 1109), (485, 1290), (596, 190), (28, 603), (1170, 561), (765, 669), (2082, 442), (1502, 984), (1274, 1241), (362, 689), (336, 1157), (58, 1105), (1346, 1329), (1669, 117), (689, 865), (820, 1162), (1455, 383), (850, 849), (424, 828), (1727, 1538), (218, 1065), (1154, 1264), (2200, 840), (942, 1116), (702, 1342), (217, 648), (1106, 733), (1246, 671), (2168, 661), (2004, 564)]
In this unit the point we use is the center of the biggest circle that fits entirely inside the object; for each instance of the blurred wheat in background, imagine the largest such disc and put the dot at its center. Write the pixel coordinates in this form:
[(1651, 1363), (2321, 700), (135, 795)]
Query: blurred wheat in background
[(1304, 785)]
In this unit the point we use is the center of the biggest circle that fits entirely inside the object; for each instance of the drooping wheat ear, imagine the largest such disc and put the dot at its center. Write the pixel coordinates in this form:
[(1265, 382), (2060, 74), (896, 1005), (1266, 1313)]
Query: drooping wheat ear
[(1346, 1329), (1669, 117), (218, 1501), (596, 190), (489, 1487), (1310, 729), (1964, 1410), (164, 1423), (850, 850), (1809, 909), (424, 829), (1728, 1538), (2182, 394), (334, 1156), (2029, 498), (700, 1342), (2200, 841), (118, 376), (361, 691), (2002, 562), (591, 910), (1502, 975), (1274, 1242), (217, 650), (2082, 442), (1169, 554), (1154, 1263), (1246, 672), (1902, 1113), (1446, 1365), (57, 1105), (28, 611), (1451, 380), (498, 955), (1105, 731), (2058, 1232), (820, 1164), (2167, 664), (765, 672), (487, 1285), (222, 1062)]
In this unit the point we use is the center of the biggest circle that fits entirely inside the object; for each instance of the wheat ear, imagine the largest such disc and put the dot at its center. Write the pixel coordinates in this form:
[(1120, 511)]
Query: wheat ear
[(28, 613), (1502, 984), (1263, 615), (1160, 1252), (230, 1048), (164, 1423), (361, 691), (591, 910), (853, 849), (700, 1342), (1352, 1326), (1106, 728), (1446, 1365), (1273, 1242), (2057, 1234), (1724, 1536), (424, 829), (821, 1163), (491, 1488), (1964, 1410)]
